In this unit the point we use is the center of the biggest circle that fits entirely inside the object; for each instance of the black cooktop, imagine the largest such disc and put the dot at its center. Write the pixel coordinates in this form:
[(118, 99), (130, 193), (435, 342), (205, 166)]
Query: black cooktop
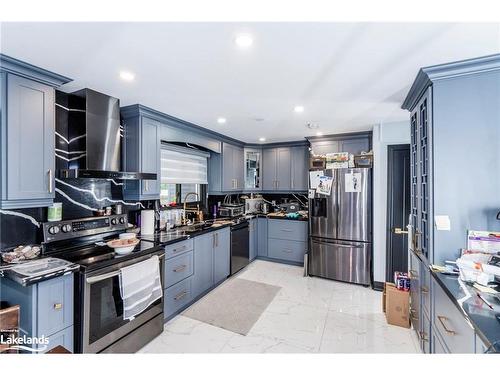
[(94, 256)]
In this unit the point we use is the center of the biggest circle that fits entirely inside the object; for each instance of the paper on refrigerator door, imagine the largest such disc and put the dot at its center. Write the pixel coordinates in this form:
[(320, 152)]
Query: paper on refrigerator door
[(314, 178), (353, 182), (325, 185)]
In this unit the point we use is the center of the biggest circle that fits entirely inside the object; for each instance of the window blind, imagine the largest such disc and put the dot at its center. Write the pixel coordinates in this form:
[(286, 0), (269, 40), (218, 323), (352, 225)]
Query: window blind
[(183, 166)]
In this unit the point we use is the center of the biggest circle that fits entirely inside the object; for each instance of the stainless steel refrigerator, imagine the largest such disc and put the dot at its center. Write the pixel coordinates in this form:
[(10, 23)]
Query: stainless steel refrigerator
[(340, 227)]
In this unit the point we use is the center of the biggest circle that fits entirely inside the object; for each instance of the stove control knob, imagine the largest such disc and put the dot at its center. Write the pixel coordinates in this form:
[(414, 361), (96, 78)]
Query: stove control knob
[(54, 230), (122, 220), (66, 228), (113, 221)]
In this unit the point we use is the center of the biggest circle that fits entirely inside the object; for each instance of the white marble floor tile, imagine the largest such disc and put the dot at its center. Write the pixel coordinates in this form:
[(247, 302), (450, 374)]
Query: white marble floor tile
[(308, 315)]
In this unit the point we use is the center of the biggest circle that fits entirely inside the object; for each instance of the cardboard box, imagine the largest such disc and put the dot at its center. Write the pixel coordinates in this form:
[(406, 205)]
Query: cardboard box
[(396, 305)]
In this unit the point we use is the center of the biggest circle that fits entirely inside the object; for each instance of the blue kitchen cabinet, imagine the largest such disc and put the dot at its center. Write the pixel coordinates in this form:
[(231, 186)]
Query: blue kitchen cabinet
[(299, 168), (276, 169), (262, 236), (203, 277), (27, 107), (226, 170), (222, 255), (141, 150), (355, 146), (46, 309), (287, 240), (253, 238)]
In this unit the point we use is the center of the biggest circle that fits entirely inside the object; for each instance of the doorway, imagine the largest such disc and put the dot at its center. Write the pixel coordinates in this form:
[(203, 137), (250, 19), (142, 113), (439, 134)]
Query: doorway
[(398, 209)]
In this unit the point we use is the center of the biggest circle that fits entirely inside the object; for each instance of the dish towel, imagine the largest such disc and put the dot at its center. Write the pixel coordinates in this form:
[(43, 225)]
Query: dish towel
[(140, 286)]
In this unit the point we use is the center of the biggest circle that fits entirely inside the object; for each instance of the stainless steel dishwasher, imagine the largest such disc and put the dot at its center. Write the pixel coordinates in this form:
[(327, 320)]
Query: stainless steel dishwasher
[(240, 249)]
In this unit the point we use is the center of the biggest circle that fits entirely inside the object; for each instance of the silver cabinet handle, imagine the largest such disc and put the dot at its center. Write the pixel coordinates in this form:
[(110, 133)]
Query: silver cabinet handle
[(146, 185), (213, 240), (287, 251), (179, 249), (425, 290), (216, 239), (277, 184), (287, 230), (58, 306), (180, 268), (414, 274), (181, 295), (446, 329), (51, 186)]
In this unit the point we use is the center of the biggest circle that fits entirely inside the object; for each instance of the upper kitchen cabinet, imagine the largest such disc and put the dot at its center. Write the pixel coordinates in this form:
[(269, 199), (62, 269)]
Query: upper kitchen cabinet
[(277, 168), (285, 168), (226, 169), (455, 127), (141, 153), (300, 168), (27, 107), (353, 143)]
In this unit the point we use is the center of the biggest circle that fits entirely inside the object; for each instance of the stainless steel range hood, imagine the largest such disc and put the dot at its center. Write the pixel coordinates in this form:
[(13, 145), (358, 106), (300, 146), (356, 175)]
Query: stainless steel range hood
[(90, 143)]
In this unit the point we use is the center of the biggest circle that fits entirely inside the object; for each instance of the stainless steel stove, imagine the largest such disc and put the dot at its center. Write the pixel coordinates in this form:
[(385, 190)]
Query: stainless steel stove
[(99, 323)]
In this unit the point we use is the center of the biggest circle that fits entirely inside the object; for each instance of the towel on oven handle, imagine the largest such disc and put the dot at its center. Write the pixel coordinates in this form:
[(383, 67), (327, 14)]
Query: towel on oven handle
[(140, 286)]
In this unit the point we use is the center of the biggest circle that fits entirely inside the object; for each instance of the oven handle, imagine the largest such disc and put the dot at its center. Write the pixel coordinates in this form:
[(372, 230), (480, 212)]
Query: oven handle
[(95, 279)]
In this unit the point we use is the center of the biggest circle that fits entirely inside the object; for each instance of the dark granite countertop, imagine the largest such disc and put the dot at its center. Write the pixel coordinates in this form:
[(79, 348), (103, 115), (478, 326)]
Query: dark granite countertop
[(274, 217), (485, 321), (183, 233)]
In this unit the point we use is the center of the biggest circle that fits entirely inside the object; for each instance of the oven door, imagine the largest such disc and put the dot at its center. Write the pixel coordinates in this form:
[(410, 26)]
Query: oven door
[(103, 322)]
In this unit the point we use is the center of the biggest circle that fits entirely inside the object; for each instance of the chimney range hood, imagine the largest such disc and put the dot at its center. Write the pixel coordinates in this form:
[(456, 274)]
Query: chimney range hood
[(88, 137)]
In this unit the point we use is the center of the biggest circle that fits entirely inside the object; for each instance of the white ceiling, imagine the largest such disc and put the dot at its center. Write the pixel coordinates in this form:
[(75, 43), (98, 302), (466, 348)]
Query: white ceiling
[(348, 76)]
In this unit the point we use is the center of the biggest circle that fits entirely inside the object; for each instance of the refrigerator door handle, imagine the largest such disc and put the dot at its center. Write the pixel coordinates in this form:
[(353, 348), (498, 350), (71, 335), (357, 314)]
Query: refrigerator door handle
[(357, 246)]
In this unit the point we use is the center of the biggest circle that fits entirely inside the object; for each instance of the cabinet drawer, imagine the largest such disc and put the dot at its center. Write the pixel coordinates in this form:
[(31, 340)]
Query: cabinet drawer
[(425, 288), (63, 338), (287, 250), (455, 331), (287, 230), (55, 305), (178, 248), (178, 268), (177, 296)]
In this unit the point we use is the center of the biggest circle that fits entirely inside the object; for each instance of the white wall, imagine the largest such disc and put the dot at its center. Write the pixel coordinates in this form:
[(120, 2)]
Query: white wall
[(384, 134)]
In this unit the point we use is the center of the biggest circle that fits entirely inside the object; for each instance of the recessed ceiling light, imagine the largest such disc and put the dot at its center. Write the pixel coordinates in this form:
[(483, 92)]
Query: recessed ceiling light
[(127, 76), (221, 120), (262, 139), (319, 133), (312, 126), (298, 109), (243, 40)]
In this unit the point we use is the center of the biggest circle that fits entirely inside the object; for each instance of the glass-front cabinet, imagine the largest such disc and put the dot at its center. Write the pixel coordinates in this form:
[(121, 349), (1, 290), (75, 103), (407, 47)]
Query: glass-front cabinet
[(253, 169)]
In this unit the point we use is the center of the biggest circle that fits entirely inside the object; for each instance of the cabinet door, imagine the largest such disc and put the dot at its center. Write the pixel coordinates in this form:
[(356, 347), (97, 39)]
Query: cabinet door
[(415, 293), (238, 168), (228, 154), (29, 140), (253, 238), (55, 305), (355, 146), (222, 255), (269, 169), (262, 237), (283, 168), (63, 338), (299, 168), (203, 277), (150, 156)]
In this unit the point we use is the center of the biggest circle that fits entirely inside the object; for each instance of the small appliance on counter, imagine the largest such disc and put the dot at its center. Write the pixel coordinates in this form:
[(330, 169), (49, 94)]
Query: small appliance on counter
[(253, 205), (290, 207), (231, 209)]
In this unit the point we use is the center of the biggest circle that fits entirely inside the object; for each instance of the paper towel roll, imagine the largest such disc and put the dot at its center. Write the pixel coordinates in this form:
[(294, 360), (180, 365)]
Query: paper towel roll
[(147, 222)]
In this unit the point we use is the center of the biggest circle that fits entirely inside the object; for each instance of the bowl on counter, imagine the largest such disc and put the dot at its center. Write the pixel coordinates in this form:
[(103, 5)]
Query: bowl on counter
[(123, 246)]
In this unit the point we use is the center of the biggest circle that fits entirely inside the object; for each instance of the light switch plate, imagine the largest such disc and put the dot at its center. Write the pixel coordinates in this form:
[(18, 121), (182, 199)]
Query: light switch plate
[(442, 222)]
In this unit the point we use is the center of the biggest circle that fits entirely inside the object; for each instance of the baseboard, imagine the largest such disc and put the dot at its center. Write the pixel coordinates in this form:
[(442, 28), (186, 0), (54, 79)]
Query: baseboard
[(378, 285)]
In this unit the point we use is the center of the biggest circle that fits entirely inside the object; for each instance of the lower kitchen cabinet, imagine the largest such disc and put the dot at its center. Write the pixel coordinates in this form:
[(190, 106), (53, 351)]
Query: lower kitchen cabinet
[(437, 345), (178, 268), (222, 255), (203, 277), (456, 333), (212, 260), (177, 297), (415, 292), (253, 238), (46, 309), (291, 251), (262, 237), (287, 240)]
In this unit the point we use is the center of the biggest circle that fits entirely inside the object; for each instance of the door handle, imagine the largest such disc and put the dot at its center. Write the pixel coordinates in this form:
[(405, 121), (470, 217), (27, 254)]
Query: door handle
[(51, 187), (180, 268), (400, 231), (447, 330), (58, 306)]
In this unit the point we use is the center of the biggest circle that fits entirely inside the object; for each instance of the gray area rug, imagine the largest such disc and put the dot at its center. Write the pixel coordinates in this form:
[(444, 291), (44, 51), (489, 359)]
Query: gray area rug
[(235, 305)]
